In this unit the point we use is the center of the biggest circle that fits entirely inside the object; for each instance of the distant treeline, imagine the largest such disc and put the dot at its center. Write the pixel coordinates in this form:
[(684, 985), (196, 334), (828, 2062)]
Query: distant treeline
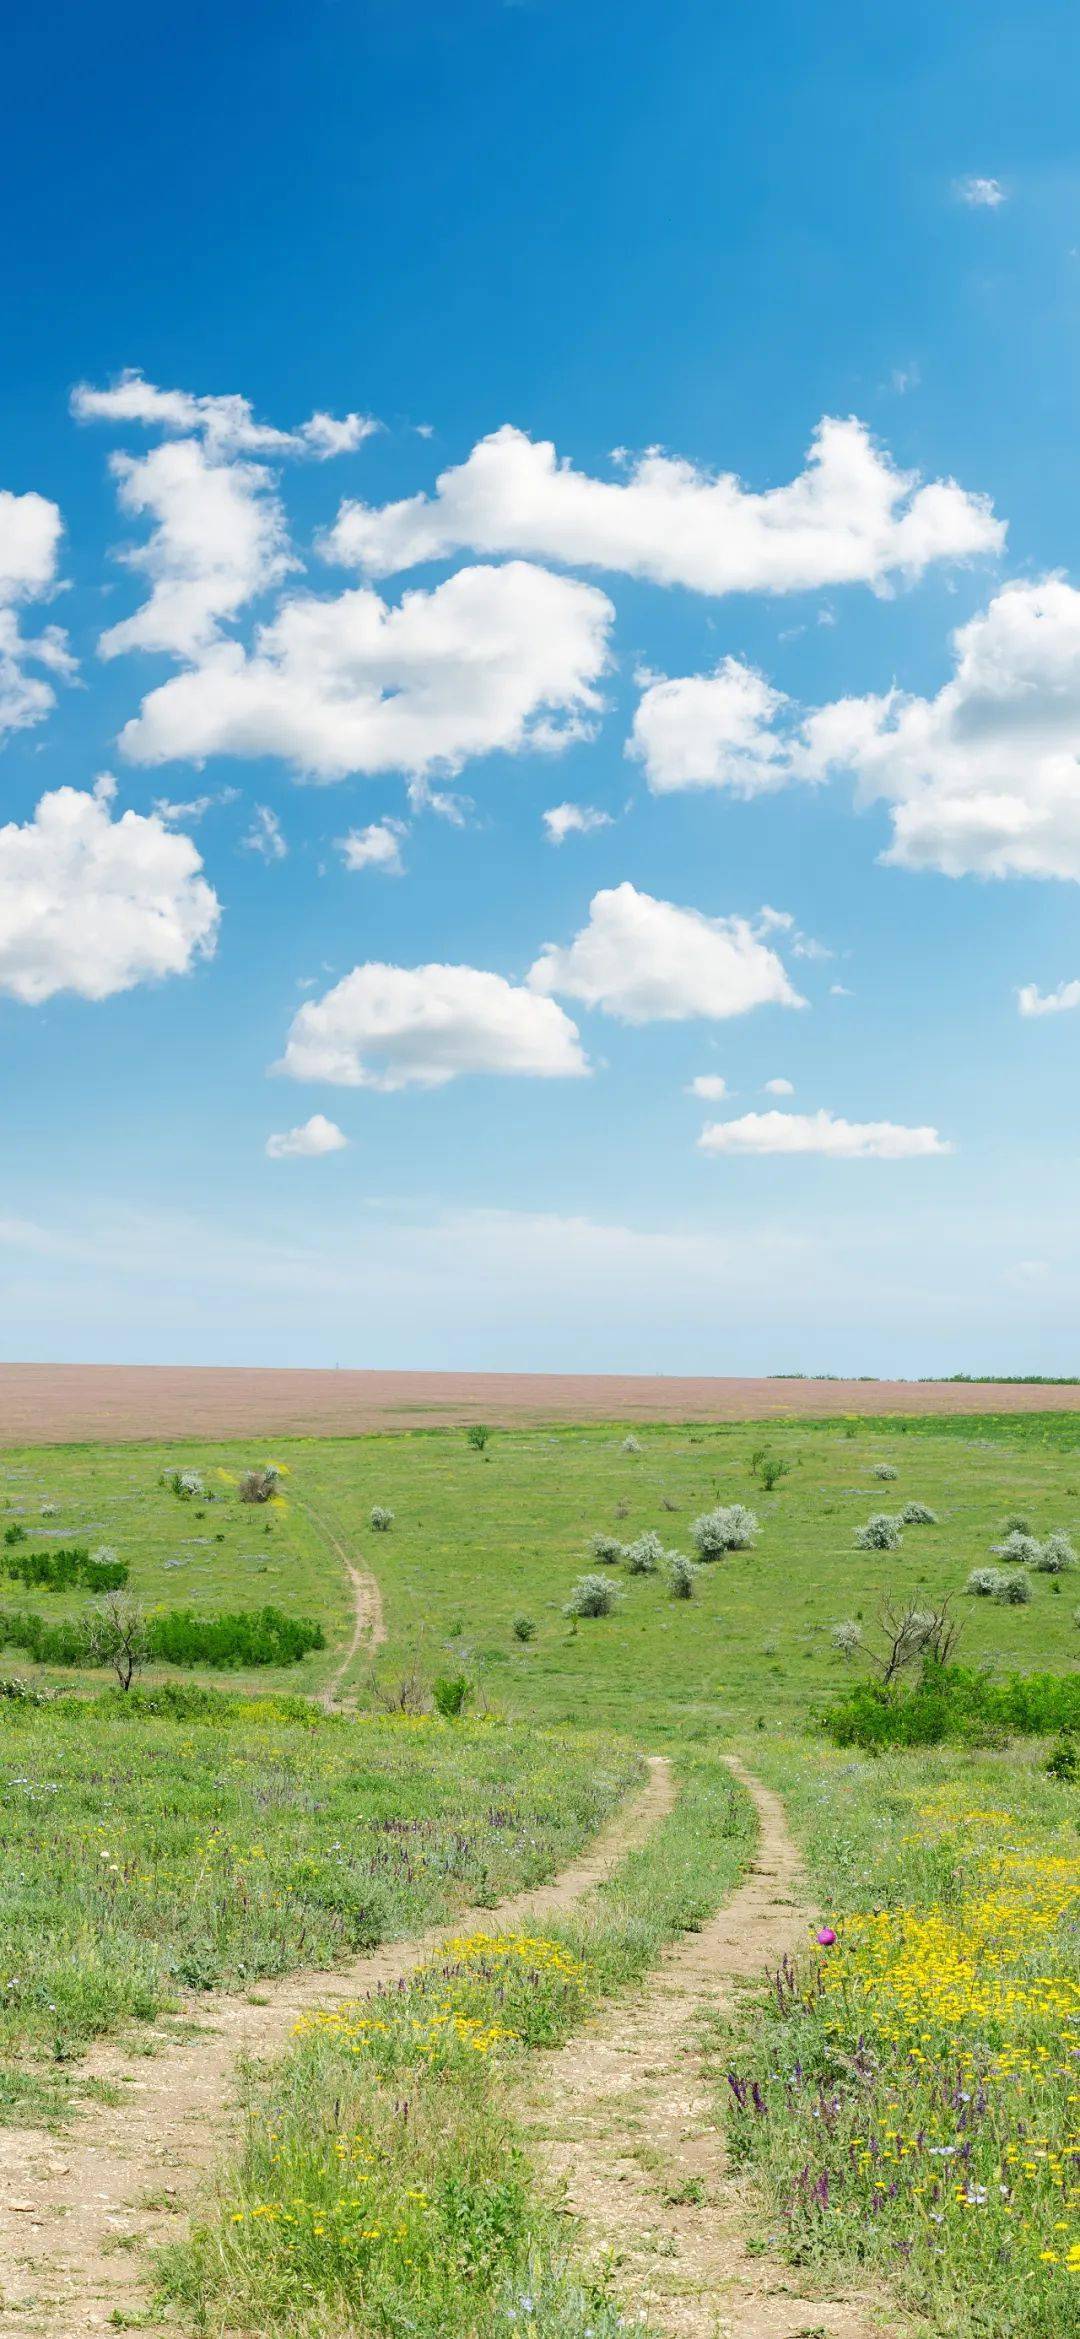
[(953, 1703), (59, 1571), (227, 1643)]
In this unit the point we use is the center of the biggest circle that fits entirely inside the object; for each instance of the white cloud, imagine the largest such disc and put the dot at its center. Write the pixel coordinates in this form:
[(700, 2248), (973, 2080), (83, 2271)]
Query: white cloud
[(840, 991), (306, 1143), (227, 424), (30, 532), (1032, 1001), (850, 517), (564, 820), (980, 194), (779, 1088), (376, 847), (709, 1085), (265, 835), (821, 1132), (218, 539), (710, 731), (390, 1027), (95, 905), (195, 807), (495, 658), (647, 961)]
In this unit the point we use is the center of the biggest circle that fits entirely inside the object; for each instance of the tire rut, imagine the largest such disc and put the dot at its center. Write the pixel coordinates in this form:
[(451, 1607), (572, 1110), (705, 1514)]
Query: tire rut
[(77, 2211)]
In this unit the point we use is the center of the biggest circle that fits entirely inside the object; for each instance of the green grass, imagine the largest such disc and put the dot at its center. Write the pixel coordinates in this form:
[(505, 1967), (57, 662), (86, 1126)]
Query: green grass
[(382, 2183), (917, 2112), (148, 1852)]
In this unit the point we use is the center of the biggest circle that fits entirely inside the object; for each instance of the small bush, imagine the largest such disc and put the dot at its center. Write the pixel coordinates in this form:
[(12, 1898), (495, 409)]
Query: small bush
[(770, 1468), (985, 1583), (682, 1576), (381, 1520), (259, 1485), (1014, 1591), (1064, 1760), (631, 1445), (452, 1694), (644, 1555), (185, 1484), (61, 1570), (477, 1437), (918, 1514), (18, 1692), (846, 1638), (1020, 1549), (880, 1533), (884, 1470), (524, 1629), (1016, 1524), (1056, 1555), (731, 1527), (13, 1535), (593, 1596), (607, 1549)]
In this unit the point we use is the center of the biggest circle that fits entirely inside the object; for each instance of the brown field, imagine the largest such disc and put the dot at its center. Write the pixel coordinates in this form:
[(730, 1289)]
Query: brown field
[(54, 1404)]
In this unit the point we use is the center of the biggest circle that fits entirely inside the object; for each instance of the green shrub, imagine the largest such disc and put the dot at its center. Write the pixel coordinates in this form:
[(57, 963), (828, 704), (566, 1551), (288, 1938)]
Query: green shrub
[(478, 1436), (918, 1514), (1064, 1760), (224, 1643), (524, 1629), (186, 1484), (953, 1703), (731, 1527), (452, 1693), (59, 1571), (607, 1549), (1014, 1591), (880, 1533), (593, 1596), (14, 1534), (380, 1520), (682, 1576), (884, 1470)]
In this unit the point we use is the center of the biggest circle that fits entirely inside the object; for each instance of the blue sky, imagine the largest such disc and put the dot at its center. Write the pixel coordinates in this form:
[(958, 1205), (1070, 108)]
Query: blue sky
[(489, 231)]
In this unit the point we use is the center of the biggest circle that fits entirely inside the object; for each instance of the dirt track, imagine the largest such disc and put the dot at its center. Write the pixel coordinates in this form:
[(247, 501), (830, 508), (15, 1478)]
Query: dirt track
[(51, 1404)]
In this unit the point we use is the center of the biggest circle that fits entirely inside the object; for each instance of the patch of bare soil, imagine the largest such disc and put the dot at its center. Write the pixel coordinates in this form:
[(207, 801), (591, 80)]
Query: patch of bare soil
[(78, 2214), (628, 2122), (57, 1404)]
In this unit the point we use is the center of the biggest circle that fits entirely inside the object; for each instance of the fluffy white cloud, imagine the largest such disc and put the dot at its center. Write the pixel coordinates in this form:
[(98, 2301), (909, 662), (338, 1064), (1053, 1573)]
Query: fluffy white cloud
[(711, 731), (95, 905), (495, 658), (376, 847), (306, 1143), (980, 194), (1032, 1001), (779, 1088), (218, 539), (564, 820), (30, 532), (710, 1085), (265, 835), (821, 1132), (648, 961), (850, 517), (228, 424), (390, 1027)]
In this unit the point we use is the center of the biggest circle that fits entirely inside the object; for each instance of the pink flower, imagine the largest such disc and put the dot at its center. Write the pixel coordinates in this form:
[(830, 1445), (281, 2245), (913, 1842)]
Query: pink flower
[(825, 1936)]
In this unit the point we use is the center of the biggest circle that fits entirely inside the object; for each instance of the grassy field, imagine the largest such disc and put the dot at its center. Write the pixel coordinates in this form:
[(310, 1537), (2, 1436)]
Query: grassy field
[(283, 1830)]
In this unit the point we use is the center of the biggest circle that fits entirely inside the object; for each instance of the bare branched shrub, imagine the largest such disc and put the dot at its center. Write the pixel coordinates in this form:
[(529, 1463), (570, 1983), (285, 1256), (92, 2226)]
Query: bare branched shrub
[(117, 1635), (911, 1633), (259, 1485)]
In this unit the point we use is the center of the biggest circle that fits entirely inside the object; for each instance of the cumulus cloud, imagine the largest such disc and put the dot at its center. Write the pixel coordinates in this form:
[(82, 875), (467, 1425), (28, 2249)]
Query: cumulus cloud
[(709, 1085), (30, 533), (218, 538), (265, 835), (647, 961), (391, 1027), (850, 517), (564, 820), (306, 1143), (821, 1132), (779, 1088), (495, 658), (228, 424), (713, 730), (980, 194), (376, 847), (1032, 1001), (93, 904)]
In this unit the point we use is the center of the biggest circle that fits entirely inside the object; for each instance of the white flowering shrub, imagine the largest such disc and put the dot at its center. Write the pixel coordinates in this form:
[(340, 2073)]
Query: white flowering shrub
[(918, 1514), (593, 1596), (631, 1445), (880, 1533), (50, 1510), (186, 1484), (682, 1576), (381, 1520), (846, 1638), (884, 1470), (644, 1555), (1056, 1555), (731, 1527), (984, 1583), (1021, 1549), (1014, 1591), (607, 1549)]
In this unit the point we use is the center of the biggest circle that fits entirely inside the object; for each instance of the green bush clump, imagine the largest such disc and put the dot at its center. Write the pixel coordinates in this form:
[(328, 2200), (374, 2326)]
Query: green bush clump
[(452, 1693), (593, 1596), (731, 1527), (524, 1629), (59, 1571), (14, 1534), (682, 1576), (884, 1470), (952, 1703), (880, 1533), (380, 1520), (607, 1549), (225, 1643), (918, 1514)]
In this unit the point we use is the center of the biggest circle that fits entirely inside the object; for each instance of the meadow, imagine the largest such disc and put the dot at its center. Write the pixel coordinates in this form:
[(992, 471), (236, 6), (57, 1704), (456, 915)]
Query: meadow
[(949, 1878)]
